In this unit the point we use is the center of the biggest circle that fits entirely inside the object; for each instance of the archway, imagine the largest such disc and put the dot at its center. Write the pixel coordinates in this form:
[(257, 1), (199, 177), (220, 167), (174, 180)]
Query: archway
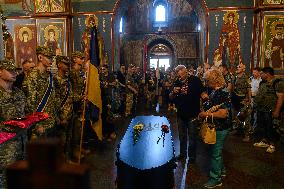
[(161, 48)]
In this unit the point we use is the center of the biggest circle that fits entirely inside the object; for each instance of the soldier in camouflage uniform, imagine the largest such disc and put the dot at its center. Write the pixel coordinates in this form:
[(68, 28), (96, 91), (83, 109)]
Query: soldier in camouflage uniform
[(77, 76), (108, 84), (269, 100), (36, 86), (65, 96), (241, 99), (131, 90), (12, 105)]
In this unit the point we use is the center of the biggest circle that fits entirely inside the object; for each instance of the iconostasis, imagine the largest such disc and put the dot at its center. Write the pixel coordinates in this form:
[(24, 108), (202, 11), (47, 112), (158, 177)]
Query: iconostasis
[(51, 23)]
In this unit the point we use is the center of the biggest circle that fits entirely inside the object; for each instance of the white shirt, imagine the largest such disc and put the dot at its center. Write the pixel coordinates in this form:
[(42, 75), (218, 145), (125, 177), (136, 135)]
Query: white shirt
[(255, 85)]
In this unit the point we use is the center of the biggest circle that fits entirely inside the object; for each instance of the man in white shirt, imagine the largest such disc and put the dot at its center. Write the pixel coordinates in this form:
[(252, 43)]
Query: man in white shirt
[(255, 81)]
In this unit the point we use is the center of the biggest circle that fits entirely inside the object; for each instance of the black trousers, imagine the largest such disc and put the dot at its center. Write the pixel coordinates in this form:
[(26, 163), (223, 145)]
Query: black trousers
[(264, 128)]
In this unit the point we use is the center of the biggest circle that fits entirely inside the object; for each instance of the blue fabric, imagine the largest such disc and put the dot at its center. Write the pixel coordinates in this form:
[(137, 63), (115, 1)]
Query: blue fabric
[(46, 95), (94, 47), (216, 156)]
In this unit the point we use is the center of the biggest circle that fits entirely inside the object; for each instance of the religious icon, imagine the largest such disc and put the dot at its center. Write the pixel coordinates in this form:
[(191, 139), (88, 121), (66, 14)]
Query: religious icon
[(273, 41), (272, 2), (25, 44), (42, 6), (90, 22), (51, 35), (229, 40)]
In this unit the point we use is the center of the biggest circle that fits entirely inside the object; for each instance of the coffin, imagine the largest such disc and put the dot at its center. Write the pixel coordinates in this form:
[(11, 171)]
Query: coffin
[(148, 162)]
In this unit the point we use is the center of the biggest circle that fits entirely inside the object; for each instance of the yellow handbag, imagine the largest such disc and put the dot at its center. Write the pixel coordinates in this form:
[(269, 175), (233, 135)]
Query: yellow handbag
[(208, 132)]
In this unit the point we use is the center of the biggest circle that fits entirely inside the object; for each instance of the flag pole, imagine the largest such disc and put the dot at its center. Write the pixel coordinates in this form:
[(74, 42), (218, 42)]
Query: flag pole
[(84, 113)]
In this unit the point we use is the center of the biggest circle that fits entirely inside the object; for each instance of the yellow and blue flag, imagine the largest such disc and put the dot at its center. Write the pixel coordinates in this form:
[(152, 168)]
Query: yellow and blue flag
[(93, 81)]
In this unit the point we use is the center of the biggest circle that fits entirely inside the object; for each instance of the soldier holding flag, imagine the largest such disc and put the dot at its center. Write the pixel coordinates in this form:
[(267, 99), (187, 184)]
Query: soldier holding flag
[(65, 96)]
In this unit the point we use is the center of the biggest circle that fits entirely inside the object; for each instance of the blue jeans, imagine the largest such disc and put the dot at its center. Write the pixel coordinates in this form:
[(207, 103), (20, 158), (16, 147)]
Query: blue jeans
[(187, 131), (216, 156)]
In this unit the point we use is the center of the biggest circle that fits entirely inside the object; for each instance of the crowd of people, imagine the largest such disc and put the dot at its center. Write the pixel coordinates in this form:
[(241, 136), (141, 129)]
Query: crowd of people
[(247, 105)]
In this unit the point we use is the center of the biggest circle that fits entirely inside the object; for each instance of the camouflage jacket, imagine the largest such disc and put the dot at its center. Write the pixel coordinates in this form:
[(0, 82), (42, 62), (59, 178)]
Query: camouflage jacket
[(241, 85), (64, 94), (266, 97), (78, 84), (35, 86), (12, 105)]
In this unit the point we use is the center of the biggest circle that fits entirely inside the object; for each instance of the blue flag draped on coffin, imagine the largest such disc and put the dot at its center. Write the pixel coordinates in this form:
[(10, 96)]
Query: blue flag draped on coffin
[(93, 83)]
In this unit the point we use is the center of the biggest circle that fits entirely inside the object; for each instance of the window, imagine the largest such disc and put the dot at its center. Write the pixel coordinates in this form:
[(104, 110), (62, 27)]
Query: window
[(163, 62), (120, 25), (160, 13)]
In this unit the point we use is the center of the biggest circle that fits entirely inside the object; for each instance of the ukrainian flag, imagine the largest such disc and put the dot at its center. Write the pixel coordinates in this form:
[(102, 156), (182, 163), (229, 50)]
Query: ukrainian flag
[(93, 81)]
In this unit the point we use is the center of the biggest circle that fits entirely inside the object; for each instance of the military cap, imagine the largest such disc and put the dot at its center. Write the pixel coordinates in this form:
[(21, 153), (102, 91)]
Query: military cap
[(63, 59), (44, 51), (8, 64), (78, 54)]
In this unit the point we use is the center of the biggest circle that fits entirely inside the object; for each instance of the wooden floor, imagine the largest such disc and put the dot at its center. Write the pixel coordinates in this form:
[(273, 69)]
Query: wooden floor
[(247, 167)]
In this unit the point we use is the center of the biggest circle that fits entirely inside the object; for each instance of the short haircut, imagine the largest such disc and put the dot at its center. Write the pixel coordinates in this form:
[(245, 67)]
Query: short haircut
[(268, 70)]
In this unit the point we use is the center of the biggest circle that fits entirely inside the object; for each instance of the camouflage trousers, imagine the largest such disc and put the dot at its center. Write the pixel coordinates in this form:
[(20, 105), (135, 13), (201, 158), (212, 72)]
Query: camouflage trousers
[(10, 152), (129, 104)]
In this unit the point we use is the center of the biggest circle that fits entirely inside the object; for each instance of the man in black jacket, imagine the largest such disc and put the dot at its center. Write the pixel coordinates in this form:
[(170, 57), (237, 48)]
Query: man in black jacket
[(186, 94)]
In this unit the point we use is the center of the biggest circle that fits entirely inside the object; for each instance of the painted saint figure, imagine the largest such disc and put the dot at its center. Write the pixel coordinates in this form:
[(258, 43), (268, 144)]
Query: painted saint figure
[(52, 40), (90, 22), (25, 50), (274, 52), (229, 41)]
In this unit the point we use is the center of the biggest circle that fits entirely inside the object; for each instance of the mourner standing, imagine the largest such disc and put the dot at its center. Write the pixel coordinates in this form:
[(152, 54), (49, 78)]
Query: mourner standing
[(12, 105), (38, 87), (187, 91), (241, 99), (65, 96), (269, 101)]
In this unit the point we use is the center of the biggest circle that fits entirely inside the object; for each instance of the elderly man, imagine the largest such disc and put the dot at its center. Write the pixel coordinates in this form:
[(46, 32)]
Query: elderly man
[(187, 91)]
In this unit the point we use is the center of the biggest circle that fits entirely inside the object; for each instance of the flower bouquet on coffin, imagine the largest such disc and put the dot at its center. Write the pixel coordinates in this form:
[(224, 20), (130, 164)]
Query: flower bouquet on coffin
[(165, 129), (136, 132)]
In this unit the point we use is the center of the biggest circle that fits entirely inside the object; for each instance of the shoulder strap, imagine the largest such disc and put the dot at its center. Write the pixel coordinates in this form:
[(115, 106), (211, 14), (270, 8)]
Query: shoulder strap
[(46, 95)]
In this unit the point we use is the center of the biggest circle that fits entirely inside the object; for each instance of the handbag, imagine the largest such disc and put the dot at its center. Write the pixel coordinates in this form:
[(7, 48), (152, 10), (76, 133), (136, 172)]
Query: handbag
[(208, 132)]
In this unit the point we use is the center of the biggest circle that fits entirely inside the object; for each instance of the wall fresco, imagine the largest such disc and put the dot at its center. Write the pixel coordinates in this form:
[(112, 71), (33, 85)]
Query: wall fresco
[(273, 45), (25, 43), (52, 33), (230, 38), (81, 36)]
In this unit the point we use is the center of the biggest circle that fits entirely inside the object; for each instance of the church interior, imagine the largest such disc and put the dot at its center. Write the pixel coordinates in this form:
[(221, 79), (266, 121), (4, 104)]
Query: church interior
[(147, 34)]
